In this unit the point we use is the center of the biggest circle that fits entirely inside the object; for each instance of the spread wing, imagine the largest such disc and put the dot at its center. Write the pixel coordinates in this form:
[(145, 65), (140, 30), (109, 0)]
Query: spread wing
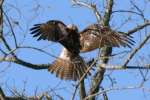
[(57, 31), (95, 36), (52, 30)]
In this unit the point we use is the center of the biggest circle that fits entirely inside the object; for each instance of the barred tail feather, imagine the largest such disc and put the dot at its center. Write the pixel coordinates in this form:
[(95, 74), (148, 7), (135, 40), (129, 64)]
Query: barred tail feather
[(68, 70)]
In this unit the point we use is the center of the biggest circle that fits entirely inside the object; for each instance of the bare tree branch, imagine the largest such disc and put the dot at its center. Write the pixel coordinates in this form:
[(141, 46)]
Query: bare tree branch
[(108, 13), (98, 77), (139, 27), (7, 45), (126, 11), (12, 31), (131, 55), (111, 89), (82, 90), (24, 63), (2, 95), (120, 67), (20, 97), (90, 6), (82, 78)]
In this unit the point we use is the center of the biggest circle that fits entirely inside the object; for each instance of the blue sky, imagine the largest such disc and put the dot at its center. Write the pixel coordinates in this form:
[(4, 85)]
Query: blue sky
[(29, 12)]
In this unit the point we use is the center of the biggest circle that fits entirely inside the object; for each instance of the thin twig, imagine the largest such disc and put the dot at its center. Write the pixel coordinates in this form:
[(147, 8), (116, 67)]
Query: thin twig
[(139, 27), (90, 6), (82, 78), (112, 89), (120, 67), (131, 55), (13, 33)]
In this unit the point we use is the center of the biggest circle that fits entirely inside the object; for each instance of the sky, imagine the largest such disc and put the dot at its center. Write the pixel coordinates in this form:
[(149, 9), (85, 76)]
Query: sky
[(29, 12)]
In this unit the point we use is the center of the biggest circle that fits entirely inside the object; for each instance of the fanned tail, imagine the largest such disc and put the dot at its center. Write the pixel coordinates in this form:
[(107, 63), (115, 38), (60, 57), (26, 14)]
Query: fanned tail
[(68, 70)]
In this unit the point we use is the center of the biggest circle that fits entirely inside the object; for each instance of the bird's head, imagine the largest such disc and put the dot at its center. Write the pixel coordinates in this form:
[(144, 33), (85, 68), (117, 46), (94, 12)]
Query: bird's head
[(72, 27)]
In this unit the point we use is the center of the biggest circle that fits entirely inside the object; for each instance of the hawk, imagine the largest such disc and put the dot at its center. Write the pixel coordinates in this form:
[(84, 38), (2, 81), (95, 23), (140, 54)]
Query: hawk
[(70, 65)]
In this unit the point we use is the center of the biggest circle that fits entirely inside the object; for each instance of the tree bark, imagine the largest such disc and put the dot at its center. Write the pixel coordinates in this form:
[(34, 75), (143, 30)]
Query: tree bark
[(106, 51)]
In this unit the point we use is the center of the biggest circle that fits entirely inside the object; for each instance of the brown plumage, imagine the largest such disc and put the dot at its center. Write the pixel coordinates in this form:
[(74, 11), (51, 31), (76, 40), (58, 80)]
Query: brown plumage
[(57, 31), (92, 37), (96, 36), (70, 65)]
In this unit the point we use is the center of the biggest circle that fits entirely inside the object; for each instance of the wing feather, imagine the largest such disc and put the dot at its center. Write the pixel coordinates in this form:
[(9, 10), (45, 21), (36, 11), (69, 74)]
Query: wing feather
[(52, 30), (57, 31), (97, 36)]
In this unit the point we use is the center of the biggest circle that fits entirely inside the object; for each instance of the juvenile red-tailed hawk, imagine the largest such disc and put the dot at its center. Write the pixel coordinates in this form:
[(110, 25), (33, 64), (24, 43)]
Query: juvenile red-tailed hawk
[(70, 65)]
